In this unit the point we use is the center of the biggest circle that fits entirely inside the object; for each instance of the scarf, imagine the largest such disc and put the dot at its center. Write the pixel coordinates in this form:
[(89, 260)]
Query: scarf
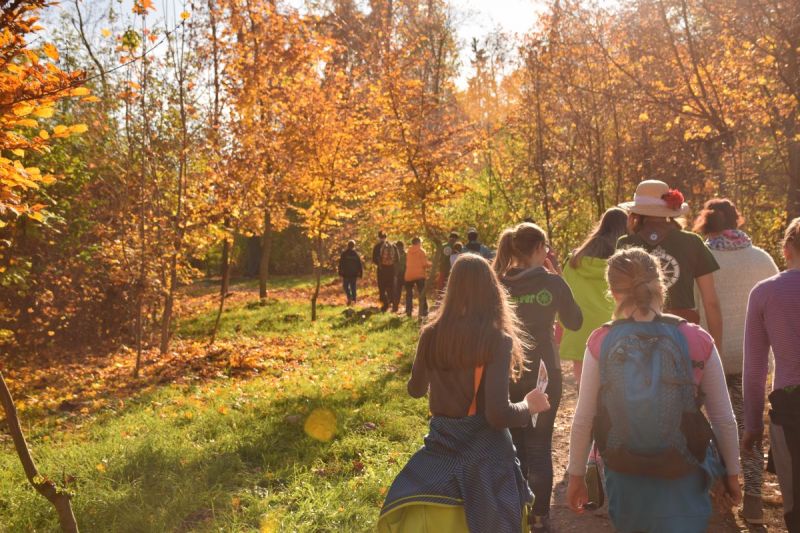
[(729, 240)]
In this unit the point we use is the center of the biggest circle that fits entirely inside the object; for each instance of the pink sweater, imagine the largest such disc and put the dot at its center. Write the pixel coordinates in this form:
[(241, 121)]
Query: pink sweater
[(773, 320)]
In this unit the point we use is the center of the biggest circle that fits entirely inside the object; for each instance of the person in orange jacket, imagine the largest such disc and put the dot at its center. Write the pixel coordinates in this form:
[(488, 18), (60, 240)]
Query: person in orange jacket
[(417, 265)]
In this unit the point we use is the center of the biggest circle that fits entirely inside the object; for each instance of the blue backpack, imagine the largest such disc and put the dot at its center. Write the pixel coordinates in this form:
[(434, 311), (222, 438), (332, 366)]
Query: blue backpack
[(649, 420)]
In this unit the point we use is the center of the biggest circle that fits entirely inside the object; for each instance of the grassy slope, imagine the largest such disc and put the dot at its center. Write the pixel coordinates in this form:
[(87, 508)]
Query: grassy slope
[(232, 455)]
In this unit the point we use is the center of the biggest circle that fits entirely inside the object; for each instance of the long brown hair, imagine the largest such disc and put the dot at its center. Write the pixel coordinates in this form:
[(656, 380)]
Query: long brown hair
[(468, 325), (602, 241), (636, 275), (517, 243)]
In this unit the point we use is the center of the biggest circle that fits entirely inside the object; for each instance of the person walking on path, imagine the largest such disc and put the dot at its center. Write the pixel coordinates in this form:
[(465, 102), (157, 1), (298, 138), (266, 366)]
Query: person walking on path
[(539, 296), (417, 266), (444, 262), (742, 266), (399, 275), (585, 273), (350, 269), (773, 321), (466, 477), (458, 249), (474, 245), (384, 255), (685, 259), (654, 369)]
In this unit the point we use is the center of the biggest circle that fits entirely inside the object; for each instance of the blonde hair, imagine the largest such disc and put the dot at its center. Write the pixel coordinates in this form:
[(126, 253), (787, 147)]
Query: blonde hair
[(636, 277), (792, 235), (470, 322), (517, 243)]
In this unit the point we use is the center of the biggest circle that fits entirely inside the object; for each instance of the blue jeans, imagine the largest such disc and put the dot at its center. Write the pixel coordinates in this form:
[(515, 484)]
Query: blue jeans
[(350, 289)]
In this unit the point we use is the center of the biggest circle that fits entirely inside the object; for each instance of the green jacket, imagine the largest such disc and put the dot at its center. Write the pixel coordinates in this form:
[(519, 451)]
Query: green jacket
[(588, 284)]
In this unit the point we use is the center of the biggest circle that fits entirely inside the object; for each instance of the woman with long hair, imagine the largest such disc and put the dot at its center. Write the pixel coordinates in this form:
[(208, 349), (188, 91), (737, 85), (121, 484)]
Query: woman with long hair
[(741, 267), (466, 476), (655, 442), (539, 296), (585, 273)]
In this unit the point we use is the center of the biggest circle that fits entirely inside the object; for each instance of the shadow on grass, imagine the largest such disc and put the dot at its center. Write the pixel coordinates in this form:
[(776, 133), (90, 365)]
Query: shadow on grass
[(261, 447)]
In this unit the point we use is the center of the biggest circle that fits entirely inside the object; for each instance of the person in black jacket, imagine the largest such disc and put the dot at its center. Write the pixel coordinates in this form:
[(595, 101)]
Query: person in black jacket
[(385, 257), (539, 295), (350, 269)]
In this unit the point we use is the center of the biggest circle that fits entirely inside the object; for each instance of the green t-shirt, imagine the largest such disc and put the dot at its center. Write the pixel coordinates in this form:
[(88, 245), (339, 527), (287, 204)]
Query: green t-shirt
[(684, 257)]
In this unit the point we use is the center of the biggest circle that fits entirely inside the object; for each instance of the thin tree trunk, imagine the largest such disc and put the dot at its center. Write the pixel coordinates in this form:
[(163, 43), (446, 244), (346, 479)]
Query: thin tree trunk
[(47, 488), (142, 198), (224, 287), (266, 250), (317, 258)]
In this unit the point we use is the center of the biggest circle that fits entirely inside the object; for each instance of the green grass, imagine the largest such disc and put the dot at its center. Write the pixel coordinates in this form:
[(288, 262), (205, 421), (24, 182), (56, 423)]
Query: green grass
[(232, 455)]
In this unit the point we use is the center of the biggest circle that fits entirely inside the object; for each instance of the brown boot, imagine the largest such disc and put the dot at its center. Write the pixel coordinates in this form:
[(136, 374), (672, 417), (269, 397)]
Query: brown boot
[(753, 510)]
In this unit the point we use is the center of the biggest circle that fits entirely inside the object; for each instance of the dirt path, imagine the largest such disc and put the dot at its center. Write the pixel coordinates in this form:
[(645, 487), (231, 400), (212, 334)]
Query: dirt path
[(565, 521)]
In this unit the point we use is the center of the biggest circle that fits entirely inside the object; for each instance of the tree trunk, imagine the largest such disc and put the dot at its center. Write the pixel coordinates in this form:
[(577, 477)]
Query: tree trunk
[(317, 258), (266, 249), (47, 488), (224, 287), (793, 151)]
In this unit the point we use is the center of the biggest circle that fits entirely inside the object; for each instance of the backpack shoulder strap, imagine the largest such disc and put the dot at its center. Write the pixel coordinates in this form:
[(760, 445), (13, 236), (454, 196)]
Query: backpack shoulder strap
[(673, 320)]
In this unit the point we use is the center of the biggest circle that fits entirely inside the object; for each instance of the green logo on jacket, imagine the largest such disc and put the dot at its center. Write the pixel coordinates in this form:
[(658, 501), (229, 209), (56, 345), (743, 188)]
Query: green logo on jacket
[(543, 298)]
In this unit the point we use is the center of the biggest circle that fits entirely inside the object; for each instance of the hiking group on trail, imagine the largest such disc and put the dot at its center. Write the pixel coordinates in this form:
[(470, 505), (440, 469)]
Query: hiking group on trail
[(669, 331)]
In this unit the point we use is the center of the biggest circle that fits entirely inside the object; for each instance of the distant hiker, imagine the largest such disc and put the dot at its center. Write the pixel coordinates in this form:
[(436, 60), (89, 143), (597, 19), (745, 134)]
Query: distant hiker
[(742, 266), (458, 249), (466, 477), (539, 296), (384, 255), (350, 269), (654, 225), (656, 444), (399, 274), (474, 245), (585, 273), (773, 321), (417, 266), (445, 263)]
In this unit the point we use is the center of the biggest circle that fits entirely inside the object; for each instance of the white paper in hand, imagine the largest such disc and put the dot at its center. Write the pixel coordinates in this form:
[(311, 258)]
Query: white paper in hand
[(541, 386)]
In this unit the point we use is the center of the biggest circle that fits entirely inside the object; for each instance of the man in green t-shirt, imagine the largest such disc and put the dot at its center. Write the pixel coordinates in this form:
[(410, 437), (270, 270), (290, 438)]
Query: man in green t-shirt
[(684, 257)]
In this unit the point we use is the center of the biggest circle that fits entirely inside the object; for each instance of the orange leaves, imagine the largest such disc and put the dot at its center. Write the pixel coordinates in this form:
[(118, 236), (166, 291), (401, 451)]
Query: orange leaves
[(141, 7), (30, 88)]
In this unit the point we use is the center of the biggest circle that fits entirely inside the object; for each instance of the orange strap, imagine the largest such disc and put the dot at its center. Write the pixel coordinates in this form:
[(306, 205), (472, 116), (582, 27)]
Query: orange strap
[(473, 408)]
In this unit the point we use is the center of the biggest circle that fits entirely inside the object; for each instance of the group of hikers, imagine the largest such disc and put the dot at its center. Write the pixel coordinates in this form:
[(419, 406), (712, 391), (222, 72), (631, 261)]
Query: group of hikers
[(670, 332), (399, 269)]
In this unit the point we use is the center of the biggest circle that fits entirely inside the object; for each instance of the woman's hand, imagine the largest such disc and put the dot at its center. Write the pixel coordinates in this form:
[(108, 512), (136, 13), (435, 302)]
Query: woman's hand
[(537, 401), (727, 493), (577, 493)]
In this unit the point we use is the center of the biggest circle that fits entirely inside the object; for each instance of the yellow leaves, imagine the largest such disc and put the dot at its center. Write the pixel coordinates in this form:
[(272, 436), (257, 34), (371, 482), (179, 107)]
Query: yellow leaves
[(105, 32), (60, 130), (44, 135), (50, 51), (644, 117), (185, 15), (78, 128), (27, 122), (22, 110), (18, 152), (101, 467), (45, 111), (80, 91)]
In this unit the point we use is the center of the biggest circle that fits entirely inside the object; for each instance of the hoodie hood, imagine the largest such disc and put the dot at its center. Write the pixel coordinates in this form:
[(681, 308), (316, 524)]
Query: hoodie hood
[(517, 275), (590, 268)]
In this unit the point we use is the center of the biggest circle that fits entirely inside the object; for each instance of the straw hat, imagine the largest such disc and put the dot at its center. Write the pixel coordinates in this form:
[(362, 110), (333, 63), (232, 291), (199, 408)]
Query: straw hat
[(654, 198)]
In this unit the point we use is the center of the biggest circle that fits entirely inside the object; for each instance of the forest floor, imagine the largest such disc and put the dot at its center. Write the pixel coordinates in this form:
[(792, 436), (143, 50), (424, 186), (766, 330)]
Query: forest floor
[(282, 425)]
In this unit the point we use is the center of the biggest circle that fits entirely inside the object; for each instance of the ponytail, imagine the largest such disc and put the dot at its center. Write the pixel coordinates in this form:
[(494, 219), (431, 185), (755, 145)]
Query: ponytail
[(517, 244), (505, 252), (636, 277)]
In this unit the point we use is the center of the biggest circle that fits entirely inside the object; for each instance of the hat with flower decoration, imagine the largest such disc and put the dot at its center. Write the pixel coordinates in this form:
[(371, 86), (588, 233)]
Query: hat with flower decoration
[(654, 198)]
